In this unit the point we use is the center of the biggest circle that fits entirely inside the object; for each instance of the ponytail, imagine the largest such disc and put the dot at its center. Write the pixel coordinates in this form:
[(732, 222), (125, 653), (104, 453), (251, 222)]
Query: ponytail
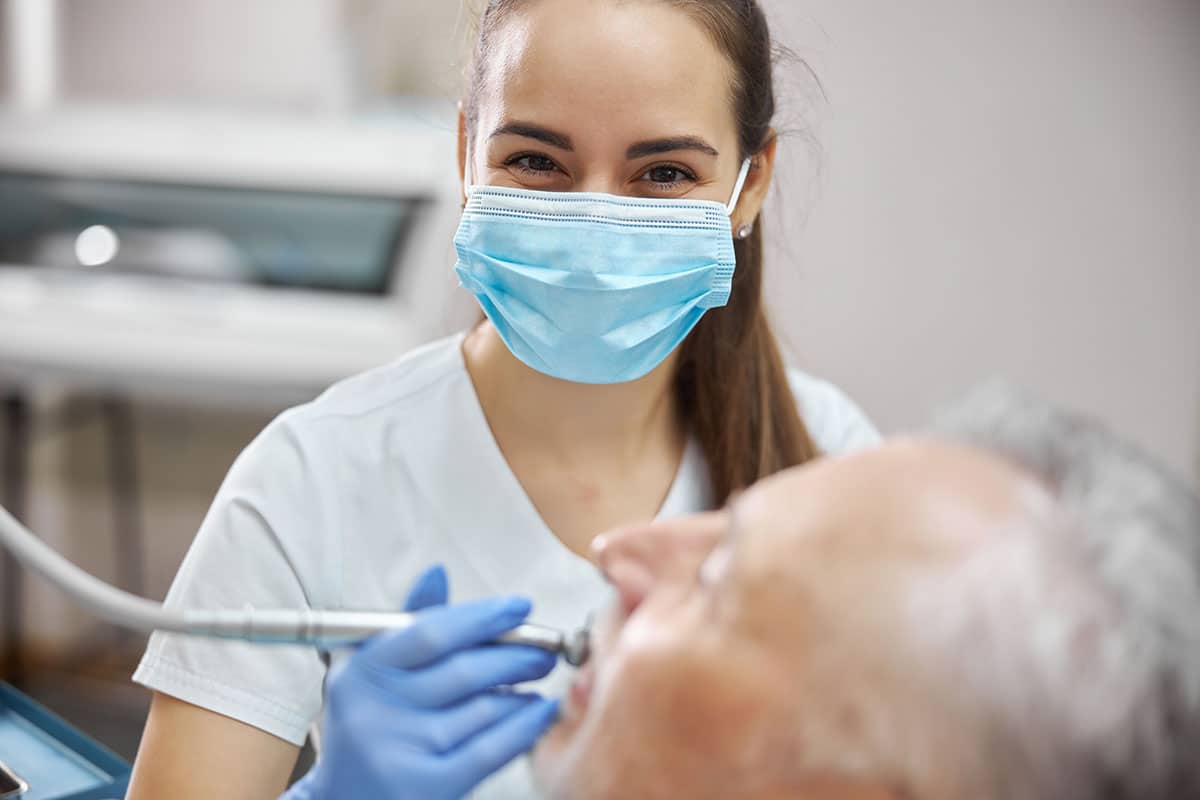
[(733, 390)]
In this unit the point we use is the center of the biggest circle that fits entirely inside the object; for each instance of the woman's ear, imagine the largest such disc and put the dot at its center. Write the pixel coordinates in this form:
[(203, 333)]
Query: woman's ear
[(462, 153), (758, 183)]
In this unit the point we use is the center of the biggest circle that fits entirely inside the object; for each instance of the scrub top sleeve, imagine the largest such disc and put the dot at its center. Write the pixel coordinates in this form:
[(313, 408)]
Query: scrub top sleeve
[(835, 422), (268, 542)]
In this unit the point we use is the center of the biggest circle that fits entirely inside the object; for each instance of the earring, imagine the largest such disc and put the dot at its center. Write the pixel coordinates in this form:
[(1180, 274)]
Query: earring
[(744, 230)]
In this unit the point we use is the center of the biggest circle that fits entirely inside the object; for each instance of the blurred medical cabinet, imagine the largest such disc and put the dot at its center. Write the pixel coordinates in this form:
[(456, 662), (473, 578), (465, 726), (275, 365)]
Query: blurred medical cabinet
[(154, 250)]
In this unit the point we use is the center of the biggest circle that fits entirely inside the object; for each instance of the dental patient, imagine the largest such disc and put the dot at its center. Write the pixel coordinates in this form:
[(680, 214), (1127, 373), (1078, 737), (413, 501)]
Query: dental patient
[(1005, 609)]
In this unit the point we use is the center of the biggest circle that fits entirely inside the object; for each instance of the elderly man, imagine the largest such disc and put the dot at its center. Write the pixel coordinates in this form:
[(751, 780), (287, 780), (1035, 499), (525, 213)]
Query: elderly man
[(1006, 609)]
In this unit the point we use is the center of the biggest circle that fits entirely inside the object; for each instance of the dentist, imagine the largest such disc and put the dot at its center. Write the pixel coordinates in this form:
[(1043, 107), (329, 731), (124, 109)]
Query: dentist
[(616, 157)]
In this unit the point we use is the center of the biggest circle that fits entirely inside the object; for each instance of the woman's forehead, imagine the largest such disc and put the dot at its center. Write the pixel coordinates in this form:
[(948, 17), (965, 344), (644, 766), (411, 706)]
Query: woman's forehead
[(641, 69)]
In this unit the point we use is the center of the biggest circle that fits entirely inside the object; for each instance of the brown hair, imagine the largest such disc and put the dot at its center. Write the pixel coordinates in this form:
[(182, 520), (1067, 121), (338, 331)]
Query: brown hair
[(731, 385)]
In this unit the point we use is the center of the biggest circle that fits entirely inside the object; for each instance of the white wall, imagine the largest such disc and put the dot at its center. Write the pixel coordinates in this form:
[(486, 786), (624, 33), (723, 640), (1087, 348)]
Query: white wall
[(5, 66), (1009, 188), (277, 54), (300, 55)]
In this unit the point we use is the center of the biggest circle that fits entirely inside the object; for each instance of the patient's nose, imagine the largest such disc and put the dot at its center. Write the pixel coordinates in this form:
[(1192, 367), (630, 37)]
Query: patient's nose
[(628, 562), (637, 559)]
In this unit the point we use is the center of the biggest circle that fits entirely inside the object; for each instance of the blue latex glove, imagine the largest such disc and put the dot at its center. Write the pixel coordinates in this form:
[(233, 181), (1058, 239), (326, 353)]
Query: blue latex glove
[(418, 713)]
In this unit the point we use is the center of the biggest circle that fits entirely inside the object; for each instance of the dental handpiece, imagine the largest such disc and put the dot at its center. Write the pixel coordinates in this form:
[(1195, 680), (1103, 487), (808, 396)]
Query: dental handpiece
[(327, 630), (330, 630)]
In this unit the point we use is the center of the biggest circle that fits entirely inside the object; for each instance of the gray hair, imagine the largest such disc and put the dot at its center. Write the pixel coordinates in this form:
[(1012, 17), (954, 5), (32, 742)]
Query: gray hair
[(1085, 655)]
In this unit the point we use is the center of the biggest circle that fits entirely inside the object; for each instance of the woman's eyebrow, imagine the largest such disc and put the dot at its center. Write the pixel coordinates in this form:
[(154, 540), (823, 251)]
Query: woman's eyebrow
[(531, 131), (650, 147), (655, 147)]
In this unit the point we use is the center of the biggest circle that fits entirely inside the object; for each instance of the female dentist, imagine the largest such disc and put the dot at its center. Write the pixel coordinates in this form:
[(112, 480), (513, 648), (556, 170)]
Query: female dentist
[(616, 157)]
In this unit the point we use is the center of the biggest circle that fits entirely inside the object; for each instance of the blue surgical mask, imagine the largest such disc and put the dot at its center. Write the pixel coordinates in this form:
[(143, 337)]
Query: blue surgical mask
[(594, 288)]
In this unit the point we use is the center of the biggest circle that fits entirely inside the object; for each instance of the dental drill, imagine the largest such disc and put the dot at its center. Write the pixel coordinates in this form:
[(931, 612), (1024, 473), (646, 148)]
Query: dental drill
[(326, 630)]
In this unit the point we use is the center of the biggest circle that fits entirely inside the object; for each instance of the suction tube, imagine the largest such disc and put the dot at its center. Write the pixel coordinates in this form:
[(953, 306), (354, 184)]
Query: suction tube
[(326, 630)]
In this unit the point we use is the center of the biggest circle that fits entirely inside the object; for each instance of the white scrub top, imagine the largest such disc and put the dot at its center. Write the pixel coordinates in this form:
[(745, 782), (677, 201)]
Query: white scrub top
[(342, 502)]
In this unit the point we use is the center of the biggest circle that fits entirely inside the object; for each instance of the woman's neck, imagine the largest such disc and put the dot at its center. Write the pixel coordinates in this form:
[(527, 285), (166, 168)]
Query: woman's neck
[(561, 417)]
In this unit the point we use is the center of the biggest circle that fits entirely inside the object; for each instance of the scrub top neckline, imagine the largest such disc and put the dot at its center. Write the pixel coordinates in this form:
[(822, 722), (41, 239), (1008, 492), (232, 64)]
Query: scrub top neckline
[(673, 503)]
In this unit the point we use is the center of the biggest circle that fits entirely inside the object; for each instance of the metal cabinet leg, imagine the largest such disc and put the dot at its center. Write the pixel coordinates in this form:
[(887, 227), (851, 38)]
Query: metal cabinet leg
[(126, 498), (128, 538), (16, 421)]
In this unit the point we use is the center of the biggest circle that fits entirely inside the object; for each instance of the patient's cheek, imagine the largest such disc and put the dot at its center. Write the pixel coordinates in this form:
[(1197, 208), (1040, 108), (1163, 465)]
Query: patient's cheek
[(671, 693), (663, 706)]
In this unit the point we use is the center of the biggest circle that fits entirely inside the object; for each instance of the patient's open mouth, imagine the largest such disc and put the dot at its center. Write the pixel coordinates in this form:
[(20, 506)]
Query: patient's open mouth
[(580, 693)]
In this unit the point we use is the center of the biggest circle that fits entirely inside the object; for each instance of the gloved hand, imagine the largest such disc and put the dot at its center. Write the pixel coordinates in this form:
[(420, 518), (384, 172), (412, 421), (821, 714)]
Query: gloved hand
[(418, 713)]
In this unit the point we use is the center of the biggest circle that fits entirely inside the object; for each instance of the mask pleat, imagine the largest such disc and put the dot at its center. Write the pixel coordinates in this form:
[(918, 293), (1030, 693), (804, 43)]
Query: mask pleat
[(595, 288)]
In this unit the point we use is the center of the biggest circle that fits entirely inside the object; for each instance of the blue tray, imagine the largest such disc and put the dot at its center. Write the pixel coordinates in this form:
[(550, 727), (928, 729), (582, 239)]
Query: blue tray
[(57, 761)]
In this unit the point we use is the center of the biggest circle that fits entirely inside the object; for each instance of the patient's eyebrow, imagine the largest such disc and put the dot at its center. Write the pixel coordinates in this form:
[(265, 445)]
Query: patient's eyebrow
[(723, 551), (733, 534), (656, 147), (531, 131)]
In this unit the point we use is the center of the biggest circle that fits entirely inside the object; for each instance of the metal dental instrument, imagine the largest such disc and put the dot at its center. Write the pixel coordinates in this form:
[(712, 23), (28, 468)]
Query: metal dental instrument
[(323, 629)]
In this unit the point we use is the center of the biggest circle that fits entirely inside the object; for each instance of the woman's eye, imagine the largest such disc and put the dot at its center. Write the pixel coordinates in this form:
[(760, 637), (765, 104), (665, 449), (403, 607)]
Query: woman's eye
[(668, 175), (533, 163)]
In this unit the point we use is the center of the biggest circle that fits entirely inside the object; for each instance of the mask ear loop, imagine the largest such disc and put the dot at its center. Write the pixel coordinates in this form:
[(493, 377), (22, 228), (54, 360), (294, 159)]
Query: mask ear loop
[(737, 188), (468, 168)]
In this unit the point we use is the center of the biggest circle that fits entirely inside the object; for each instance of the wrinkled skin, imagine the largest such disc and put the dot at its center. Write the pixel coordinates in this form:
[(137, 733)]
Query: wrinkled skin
[(753, 645)]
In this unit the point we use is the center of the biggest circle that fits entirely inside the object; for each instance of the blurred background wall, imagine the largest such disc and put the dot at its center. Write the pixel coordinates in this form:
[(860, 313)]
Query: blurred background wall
[(4, 56), (311, 55), (1008, 188), (263, 54), (982, 189)]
